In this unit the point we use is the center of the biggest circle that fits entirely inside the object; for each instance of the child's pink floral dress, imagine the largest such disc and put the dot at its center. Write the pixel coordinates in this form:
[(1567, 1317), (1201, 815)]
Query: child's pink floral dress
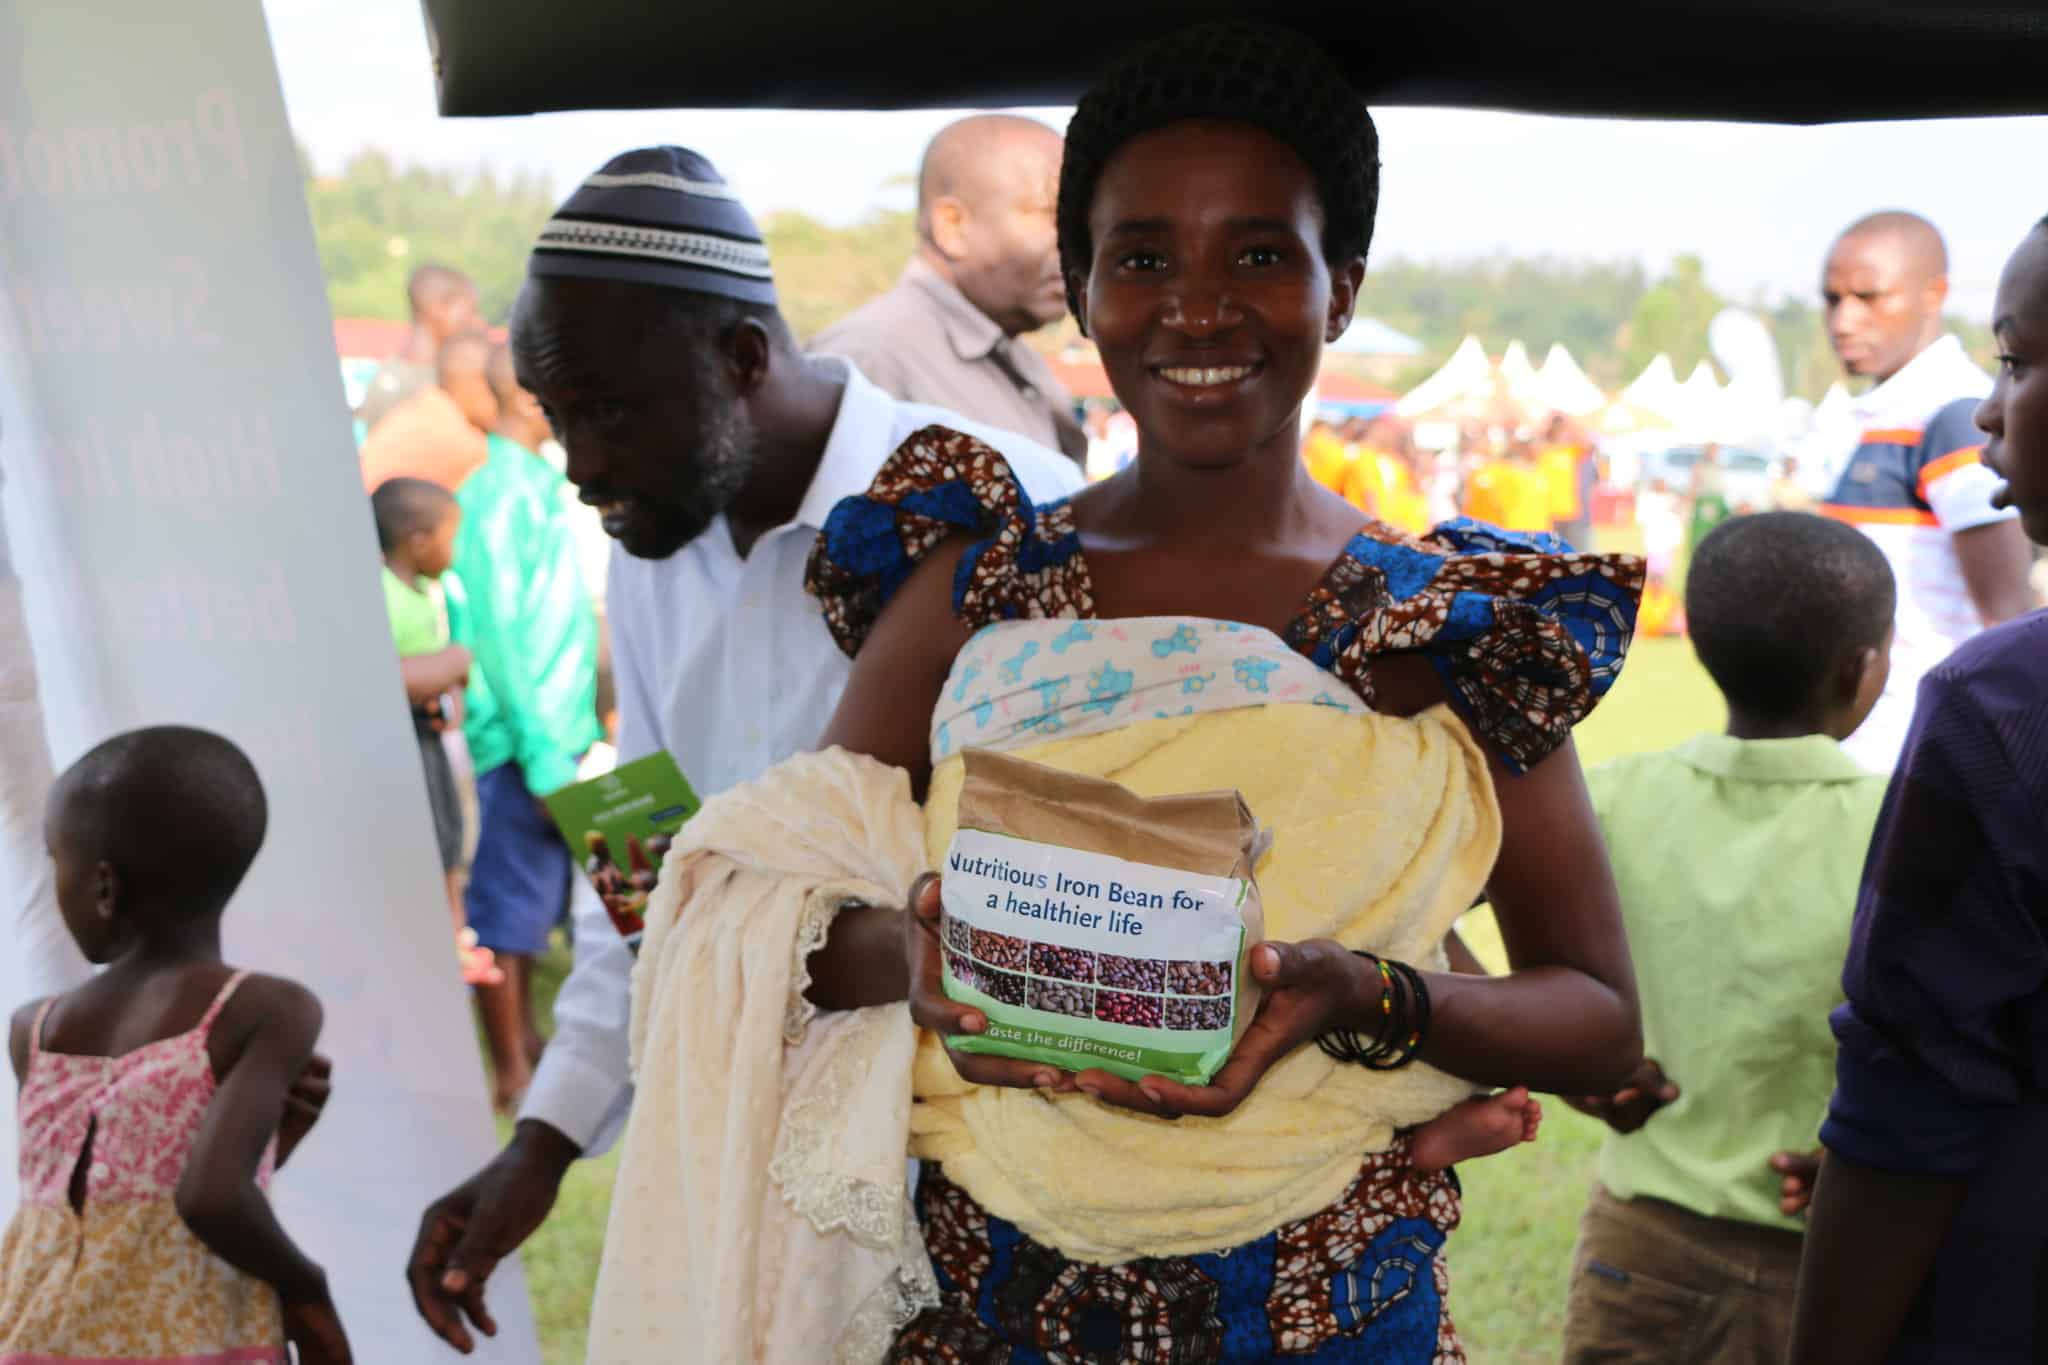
[(125, 1280)]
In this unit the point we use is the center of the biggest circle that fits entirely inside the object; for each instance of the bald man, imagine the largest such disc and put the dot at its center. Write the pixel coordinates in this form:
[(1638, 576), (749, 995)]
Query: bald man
[(443, 304), (1912, 477), (986, 271), (438, 433)]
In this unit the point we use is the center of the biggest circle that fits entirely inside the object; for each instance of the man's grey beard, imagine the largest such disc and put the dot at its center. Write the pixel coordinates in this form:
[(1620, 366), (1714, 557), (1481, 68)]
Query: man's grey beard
[(722, 452)]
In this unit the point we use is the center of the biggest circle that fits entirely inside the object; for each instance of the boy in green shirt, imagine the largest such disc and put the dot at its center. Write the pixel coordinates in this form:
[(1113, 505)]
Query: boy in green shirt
[(526, 613), (416, 525), (1737, 857)]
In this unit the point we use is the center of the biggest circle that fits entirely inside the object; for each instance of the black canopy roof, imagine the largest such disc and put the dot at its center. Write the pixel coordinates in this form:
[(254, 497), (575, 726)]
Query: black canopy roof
[(1789, 61)]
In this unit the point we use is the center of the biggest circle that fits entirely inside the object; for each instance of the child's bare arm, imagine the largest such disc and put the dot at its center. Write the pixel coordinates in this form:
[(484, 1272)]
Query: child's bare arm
[(1871, 1238), (217, 1196), (427, 676), (19, 1034)]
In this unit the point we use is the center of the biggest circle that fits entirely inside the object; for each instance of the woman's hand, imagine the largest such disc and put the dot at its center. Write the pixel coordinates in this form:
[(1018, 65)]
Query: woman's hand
[(1311, 988), (931, 1008)]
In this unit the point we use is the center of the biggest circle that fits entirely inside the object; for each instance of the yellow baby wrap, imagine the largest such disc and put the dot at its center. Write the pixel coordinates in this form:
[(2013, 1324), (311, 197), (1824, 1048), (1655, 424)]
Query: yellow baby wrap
[(1385, 830)]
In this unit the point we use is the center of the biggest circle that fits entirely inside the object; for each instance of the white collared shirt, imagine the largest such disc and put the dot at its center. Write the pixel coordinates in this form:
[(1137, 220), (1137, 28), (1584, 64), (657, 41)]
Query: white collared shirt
[(1910, 475), (727, 664)]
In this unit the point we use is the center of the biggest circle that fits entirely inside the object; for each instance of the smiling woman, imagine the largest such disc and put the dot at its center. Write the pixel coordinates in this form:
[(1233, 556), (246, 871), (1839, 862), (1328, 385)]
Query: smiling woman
[(1215, 212)]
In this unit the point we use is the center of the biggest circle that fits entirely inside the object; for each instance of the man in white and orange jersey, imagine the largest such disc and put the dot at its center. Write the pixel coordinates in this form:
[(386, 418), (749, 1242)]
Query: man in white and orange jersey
[(1915, 482)]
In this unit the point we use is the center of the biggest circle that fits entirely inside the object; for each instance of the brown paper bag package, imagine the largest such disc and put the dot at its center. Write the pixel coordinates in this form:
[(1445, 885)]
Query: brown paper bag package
[(1099, 928)]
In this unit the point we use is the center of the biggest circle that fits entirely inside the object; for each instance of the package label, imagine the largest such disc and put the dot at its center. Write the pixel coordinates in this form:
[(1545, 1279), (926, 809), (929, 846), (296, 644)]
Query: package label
[(1083, 960)]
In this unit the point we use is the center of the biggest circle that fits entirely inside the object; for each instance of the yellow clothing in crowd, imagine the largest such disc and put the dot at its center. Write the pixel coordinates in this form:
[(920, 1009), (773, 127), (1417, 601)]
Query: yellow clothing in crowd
[(1560, 468), (1365, 481), (1510, 495), (1329, 460), (1659, 614), (1383, 486), (1374, 481)]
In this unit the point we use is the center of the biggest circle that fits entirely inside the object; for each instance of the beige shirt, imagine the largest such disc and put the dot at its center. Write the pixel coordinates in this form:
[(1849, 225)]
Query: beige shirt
[(426, 436), (924, 342), (396, 380)]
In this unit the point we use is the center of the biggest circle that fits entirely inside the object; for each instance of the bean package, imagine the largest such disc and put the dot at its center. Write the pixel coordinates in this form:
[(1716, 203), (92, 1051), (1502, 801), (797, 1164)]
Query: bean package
[(1096, 927)]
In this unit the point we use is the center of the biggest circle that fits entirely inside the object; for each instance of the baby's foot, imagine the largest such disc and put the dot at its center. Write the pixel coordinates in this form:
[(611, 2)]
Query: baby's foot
[(1478, 1127)]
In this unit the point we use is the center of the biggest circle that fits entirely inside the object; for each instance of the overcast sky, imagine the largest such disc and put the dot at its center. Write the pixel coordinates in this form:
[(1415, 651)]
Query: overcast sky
[(1759, 203)]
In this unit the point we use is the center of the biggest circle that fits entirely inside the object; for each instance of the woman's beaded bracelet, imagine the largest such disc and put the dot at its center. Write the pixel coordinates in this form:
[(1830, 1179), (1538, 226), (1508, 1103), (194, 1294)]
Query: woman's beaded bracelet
[(1397, 1033)]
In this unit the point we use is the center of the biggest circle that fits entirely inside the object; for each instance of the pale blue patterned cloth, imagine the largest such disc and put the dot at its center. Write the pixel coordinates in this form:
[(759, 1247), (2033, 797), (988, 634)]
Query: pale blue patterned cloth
[(1018, 683)]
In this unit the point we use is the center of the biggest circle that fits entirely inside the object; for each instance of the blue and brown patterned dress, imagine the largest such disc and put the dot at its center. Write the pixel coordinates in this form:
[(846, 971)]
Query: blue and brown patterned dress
[(1526, 634)]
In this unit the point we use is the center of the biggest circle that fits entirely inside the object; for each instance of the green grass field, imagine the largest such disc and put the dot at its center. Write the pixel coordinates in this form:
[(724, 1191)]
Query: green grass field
[(1508, 1261)]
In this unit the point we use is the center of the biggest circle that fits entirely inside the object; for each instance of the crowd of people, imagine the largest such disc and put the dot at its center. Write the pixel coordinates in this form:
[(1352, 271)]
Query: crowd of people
[(1797, 967)]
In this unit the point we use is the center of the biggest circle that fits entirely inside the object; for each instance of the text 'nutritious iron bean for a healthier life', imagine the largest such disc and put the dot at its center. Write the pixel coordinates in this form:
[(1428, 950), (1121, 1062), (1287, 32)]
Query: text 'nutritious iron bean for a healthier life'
[(1099, 928)]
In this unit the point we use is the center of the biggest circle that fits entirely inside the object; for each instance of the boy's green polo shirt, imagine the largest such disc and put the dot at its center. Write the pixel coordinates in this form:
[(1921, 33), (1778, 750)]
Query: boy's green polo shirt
[(1738, 863), (417, 625)]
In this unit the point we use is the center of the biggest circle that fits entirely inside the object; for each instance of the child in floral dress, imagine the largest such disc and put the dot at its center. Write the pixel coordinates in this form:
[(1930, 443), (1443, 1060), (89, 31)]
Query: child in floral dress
[(153, 1097)]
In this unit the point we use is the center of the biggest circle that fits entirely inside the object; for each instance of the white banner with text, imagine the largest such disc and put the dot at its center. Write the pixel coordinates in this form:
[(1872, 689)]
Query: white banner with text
[(193, 545)]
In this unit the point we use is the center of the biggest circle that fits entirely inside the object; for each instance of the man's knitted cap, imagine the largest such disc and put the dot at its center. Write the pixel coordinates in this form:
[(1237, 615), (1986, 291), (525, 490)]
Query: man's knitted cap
[(660, 216)]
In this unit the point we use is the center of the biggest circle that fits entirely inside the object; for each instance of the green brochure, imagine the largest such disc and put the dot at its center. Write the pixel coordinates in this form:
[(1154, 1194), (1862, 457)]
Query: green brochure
[(621, 825)]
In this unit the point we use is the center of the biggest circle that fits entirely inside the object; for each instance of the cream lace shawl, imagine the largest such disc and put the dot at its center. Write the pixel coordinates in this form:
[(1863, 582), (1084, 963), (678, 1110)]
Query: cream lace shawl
[(760, 1212)]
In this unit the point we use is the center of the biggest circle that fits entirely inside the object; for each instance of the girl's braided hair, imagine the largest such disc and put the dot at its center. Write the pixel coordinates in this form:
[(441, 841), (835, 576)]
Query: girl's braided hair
[(1272, 78)]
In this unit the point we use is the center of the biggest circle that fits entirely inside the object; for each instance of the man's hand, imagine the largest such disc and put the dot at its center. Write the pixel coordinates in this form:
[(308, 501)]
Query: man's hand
[(1799, 1170), (1630, 1107), (486, 1218), (303, 1105)]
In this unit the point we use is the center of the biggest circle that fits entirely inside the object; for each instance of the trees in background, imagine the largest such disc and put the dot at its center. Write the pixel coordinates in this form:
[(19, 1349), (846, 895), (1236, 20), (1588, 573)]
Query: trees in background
[(377, 219), (1539, 300), (822, 272)]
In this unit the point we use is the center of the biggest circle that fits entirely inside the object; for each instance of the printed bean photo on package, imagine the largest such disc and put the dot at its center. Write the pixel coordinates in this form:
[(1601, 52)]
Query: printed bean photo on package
[(1185, 1015), (959, 934), (1199, 978), (1007, 987), (1121, 1007), (963, 969), (1071, 964), (1131, 973), (1000, 950), (1063, 997)]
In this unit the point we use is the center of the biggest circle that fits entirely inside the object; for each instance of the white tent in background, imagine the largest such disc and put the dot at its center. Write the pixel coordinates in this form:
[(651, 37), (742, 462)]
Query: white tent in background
[(1370, 336), (1751, 410), (1702, 399), (1652, 402), (1520, 377), (1564, 385), (1657, 389), (1467, 372)]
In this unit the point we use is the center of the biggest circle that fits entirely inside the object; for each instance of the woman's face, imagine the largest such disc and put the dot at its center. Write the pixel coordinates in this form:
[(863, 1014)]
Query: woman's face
[(1208, 295)]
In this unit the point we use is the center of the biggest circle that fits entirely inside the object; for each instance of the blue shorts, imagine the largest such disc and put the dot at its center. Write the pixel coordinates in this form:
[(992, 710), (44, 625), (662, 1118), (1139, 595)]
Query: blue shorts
[(519, 879)]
